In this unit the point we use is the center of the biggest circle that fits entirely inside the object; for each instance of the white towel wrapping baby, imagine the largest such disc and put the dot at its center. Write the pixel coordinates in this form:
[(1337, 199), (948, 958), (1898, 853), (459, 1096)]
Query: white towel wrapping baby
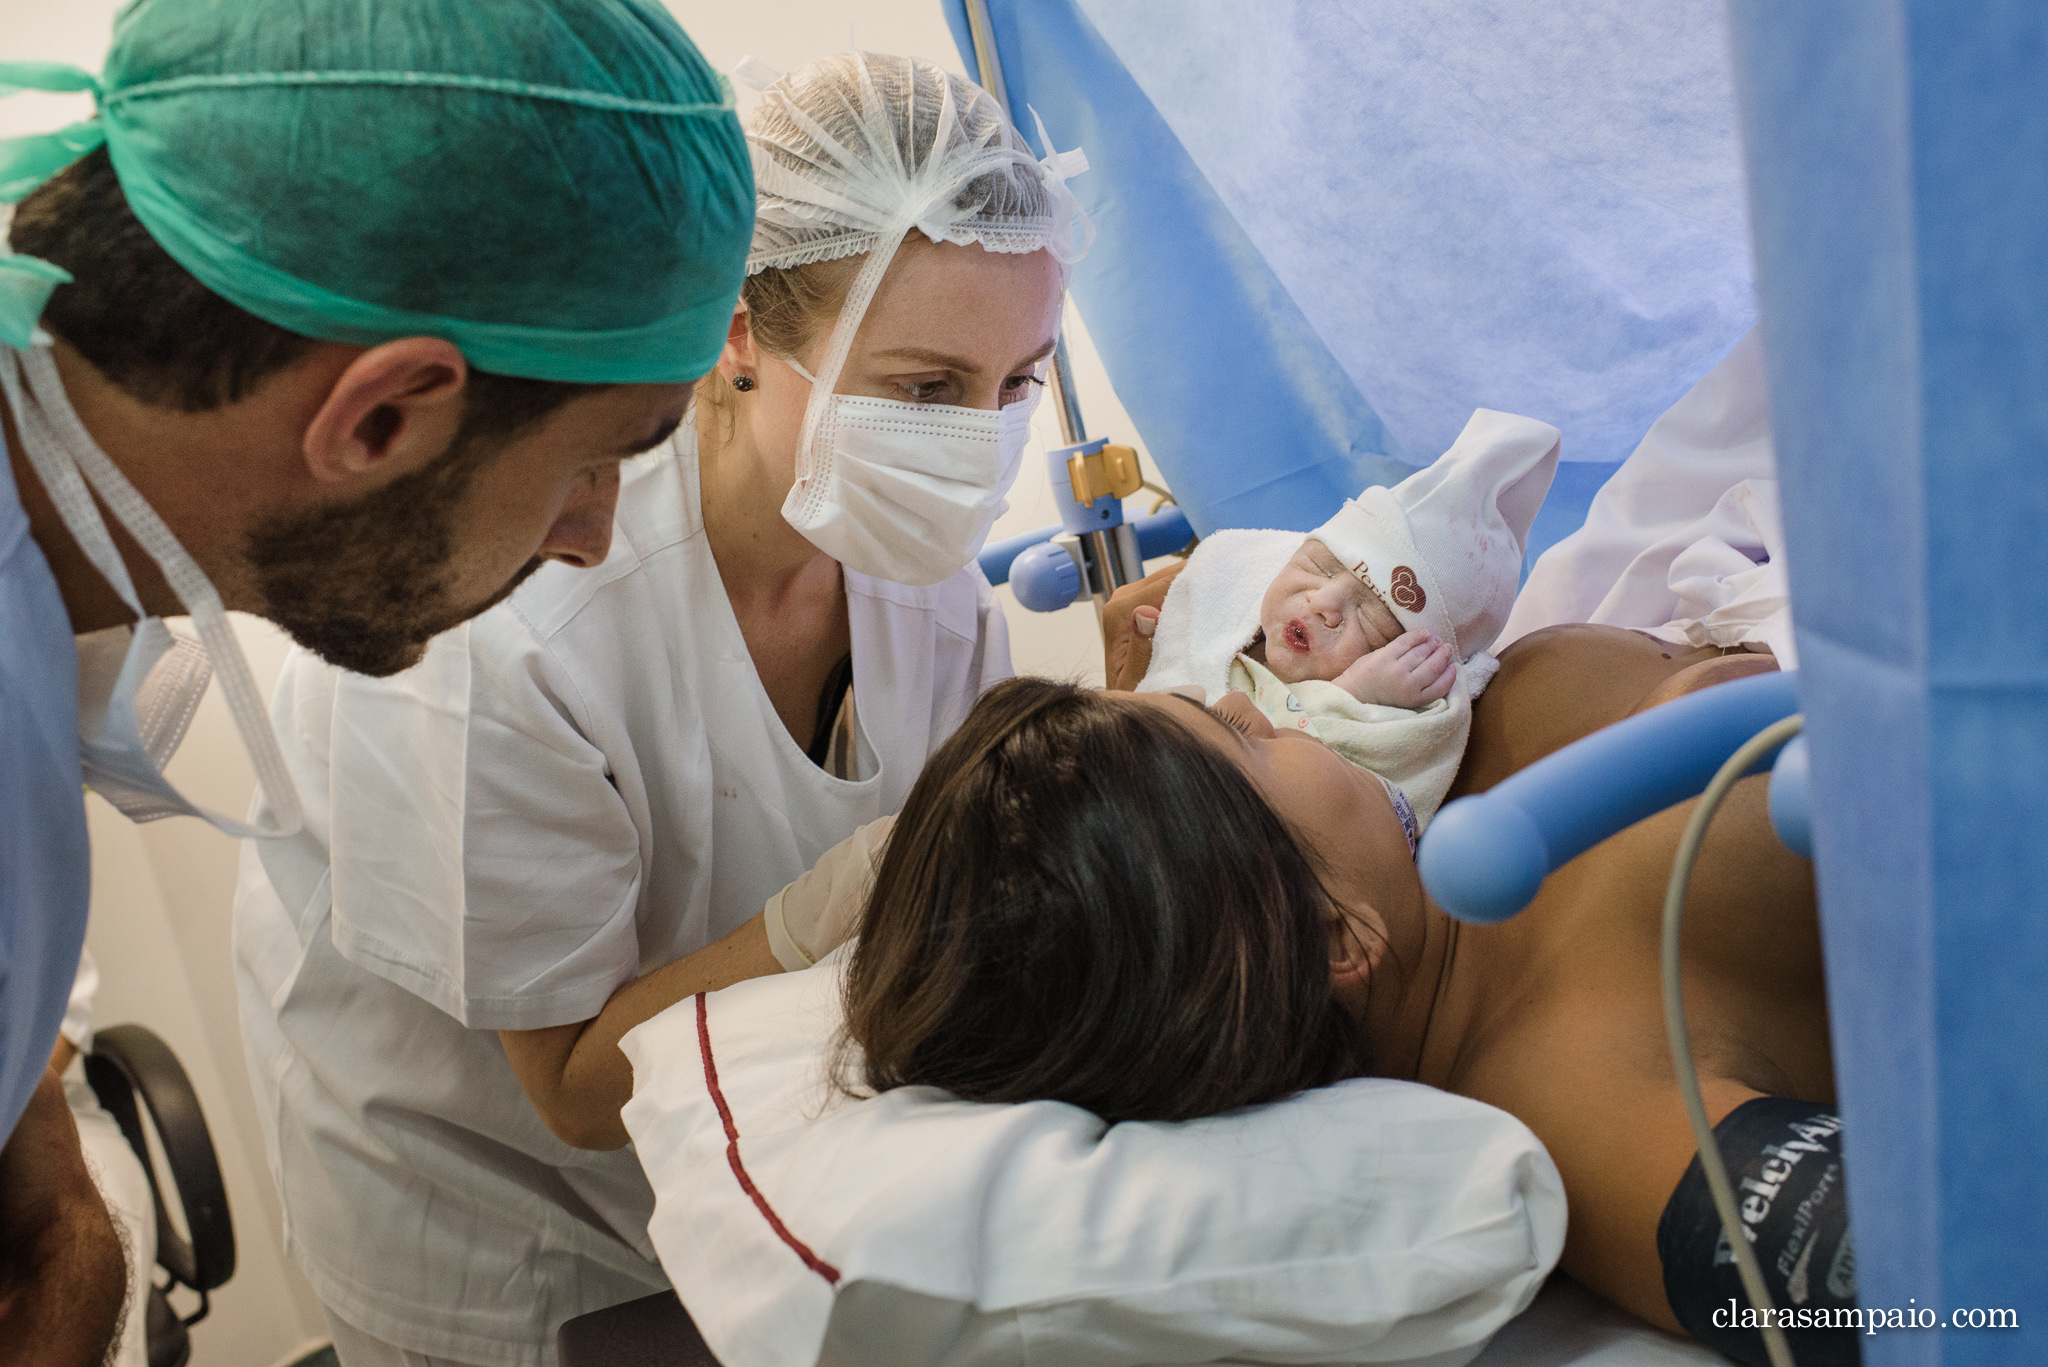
[(1211, 615), (1212, 611), (1417, 750)]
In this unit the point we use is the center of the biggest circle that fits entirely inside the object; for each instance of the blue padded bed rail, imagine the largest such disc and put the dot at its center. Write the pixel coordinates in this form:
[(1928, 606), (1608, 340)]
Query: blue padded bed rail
[(1484, 856)]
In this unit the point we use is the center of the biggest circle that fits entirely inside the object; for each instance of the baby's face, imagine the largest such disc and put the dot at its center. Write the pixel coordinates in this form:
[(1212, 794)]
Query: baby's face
[(1319, 617)]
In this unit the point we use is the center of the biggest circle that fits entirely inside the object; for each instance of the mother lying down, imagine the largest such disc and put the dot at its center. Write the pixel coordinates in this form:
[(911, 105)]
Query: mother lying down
[(1158, 910)]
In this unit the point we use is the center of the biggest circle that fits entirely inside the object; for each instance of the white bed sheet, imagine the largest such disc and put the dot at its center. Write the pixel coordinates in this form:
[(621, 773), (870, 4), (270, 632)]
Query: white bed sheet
[(1569, 1326)]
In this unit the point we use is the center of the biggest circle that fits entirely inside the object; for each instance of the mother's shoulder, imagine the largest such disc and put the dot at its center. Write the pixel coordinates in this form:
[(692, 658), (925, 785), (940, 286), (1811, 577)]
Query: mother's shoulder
[(1559, 684)]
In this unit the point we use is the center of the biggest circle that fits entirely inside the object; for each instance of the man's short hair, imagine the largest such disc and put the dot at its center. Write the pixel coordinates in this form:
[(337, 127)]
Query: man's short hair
[(166, 340)]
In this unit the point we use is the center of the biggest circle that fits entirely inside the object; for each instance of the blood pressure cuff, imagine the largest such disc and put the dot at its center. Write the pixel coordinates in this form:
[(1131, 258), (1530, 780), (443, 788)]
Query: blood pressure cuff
[(1785, 1159)]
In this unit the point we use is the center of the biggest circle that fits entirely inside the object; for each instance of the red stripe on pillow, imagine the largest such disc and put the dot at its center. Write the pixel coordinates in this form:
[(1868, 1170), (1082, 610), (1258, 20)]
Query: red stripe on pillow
[(739, 1169)]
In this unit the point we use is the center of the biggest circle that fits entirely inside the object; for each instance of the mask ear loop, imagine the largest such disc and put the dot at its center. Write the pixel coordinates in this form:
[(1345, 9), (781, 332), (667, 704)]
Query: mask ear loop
[(193, 589), (65, 486), (813, 465)]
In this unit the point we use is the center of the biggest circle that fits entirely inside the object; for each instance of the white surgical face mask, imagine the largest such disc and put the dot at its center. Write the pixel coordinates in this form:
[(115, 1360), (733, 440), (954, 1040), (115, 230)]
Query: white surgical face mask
[(905, 491), (132, 714)]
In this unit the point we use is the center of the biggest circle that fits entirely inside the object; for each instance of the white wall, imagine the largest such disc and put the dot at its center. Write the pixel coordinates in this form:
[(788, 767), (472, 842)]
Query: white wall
[(159, 933), (162, 892)]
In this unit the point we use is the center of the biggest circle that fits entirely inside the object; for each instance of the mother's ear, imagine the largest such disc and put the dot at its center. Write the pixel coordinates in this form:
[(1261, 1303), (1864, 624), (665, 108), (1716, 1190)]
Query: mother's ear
[(1358, 941)]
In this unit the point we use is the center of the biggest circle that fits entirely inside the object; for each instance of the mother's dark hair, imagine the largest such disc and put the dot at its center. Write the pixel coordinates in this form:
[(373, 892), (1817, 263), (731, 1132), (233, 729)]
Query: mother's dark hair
[(1084, 901)]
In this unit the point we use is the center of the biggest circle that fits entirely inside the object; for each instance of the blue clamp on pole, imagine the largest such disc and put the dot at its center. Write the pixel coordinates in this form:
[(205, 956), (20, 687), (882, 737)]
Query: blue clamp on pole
[(1484, 857), (1094, 550), (1161, 533), (1046, 577)]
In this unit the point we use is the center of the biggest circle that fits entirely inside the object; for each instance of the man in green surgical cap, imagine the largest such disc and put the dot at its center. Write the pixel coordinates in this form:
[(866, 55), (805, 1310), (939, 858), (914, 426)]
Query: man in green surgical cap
[(340, 312)]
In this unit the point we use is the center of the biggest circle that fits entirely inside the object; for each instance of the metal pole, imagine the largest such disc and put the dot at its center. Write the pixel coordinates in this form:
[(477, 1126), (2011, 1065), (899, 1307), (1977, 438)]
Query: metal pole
[(1067, 404), (984, 34), (1109, 559)]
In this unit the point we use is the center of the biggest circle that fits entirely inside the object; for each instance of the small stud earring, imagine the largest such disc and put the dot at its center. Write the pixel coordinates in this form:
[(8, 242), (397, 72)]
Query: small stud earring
[(743, 383)]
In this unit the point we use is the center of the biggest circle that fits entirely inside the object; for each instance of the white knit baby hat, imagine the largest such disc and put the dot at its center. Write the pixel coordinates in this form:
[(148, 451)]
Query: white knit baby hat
[(1444, 546)]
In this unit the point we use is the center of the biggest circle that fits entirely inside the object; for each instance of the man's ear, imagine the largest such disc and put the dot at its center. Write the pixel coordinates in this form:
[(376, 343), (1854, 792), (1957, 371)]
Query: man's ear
[(1355, 947), (394, 409), (741, 356)]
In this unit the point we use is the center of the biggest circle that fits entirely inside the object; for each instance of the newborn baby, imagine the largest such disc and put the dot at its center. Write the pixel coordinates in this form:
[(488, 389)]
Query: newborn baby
[(1320, 621), (1371, 635)]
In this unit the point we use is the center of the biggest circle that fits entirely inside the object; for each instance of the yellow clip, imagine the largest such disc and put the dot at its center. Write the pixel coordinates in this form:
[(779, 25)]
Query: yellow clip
[(1111, 472)]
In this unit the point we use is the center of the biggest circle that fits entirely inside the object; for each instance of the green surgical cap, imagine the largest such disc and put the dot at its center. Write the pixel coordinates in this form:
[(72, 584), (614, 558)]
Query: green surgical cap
[(559, 187)]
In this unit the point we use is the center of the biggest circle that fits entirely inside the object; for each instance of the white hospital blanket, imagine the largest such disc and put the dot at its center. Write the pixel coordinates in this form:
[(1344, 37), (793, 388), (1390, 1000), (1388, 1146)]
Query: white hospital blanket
[(1569, 1326), (1212, 610), (1418, 750), (1685, 540)]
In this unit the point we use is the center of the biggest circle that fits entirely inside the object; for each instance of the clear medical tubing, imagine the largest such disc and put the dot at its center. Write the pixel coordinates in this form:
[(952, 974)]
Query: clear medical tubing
[(1745, 760), (1484, 857)]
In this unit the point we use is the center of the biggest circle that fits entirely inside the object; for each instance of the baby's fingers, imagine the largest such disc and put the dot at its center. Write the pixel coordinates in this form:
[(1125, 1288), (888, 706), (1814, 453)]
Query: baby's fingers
[(1446, 668), (1412, 638), (1422, 661), (1411, 648)]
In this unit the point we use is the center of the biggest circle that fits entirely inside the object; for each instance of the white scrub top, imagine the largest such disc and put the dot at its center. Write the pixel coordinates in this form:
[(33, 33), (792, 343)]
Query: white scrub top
[(582, 785)]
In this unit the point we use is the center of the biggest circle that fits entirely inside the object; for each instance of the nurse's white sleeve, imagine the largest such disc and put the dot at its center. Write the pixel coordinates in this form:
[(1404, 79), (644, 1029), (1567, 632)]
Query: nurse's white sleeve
[(481, 857), (1666, 498), (992, 648)]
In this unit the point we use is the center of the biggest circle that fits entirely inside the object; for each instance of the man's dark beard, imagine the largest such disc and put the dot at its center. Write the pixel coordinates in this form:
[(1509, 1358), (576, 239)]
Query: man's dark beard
[(365, 585)]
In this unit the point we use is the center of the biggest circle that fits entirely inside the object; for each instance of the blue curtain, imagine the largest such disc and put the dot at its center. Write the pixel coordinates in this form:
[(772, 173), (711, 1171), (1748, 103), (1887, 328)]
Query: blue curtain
[(1323, 241), (1251, 419)]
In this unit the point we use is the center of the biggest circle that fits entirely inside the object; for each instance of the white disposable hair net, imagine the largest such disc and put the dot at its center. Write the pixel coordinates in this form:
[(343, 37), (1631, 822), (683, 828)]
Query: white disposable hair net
[(852, 152)]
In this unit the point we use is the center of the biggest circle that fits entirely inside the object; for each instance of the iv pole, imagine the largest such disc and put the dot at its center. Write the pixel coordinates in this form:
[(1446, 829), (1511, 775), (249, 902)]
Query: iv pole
[(1105, 546), (1072, 429)]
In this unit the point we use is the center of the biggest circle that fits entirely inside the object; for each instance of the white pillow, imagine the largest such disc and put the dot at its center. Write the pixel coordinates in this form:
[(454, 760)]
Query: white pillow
[(1372, 1221)]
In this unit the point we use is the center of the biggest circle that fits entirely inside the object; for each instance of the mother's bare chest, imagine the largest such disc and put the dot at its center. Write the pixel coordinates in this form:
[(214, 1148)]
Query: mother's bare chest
[(1572, 987)]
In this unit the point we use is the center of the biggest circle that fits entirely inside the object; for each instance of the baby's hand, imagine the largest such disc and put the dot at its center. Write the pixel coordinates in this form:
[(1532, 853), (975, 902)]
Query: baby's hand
[(1412, 670)]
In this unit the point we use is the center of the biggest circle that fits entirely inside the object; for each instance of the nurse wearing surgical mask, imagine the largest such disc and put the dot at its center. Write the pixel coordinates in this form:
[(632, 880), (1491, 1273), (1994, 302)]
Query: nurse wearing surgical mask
[(510, 850)]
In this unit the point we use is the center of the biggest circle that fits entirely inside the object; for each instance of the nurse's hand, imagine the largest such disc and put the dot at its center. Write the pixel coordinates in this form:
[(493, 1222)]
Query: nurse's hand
[(821, 910), (1128, 620)]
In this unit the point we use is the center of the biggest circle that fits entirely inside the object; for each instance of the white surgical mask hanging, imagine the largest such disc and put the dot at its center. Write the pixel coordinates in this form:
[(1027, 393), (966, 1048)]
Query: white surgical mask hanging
[(126, 734)]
